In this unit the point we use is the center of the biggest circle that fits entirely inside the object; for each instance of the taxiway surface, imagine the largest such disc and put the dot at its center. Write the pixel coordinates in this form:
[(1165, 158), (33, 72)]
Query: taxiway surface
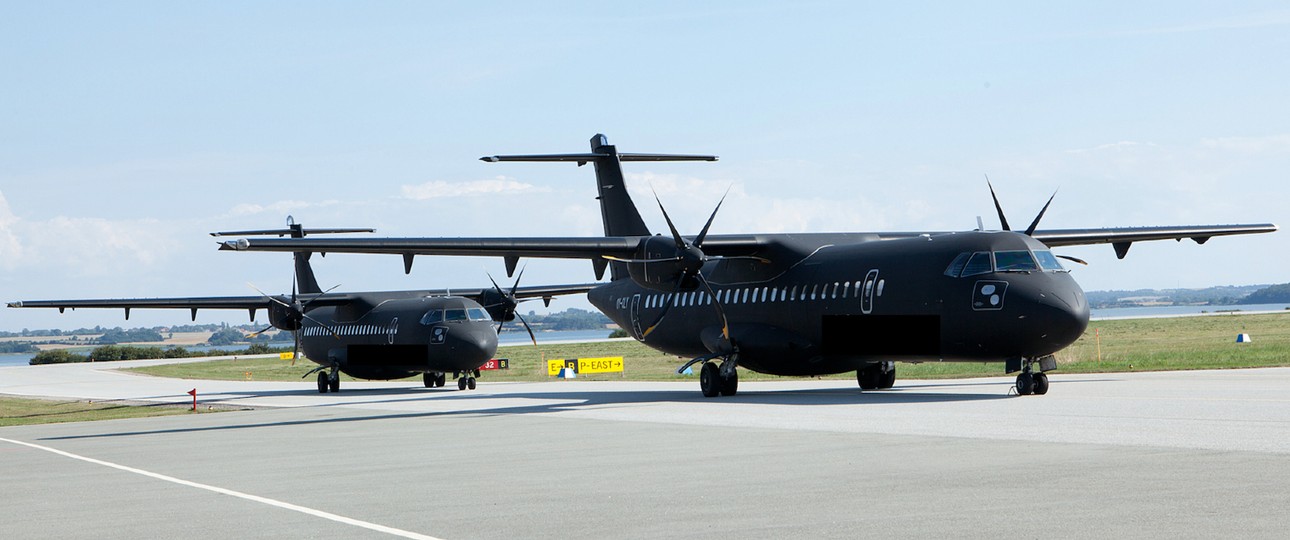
[(1180, 454)]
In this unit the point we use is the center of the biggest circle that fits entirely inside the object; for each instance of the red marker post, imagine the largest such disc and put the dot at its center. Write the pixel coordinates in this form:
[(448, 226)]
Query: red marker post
[(193, 393)]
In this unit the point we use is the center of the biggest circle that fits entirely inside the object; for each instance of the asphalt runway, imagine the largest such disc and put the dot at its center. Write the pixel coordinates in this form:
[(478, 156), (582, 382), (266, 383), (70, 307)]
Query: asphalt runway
[(1147, 455)]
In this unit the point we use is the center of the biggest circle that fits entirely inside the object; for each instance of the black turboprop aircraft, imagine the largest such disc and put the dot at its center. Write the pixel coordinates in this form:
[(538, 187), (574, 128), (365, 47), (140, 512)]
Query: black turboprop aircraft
[(371, 335), (813, 303)]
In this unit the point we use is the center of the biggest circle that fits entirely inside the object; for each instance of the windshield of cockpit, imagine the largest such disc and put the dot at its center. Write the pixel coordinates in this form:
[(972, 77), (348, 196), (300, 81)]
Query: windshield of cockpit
[(984, 262), (440, 315)]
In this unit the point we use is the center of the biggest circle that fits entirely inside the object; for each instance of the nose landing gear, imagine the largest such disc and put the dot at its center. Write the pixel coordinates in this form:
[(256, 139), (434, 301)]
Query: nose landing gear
[(1031, 382), (465, 379)]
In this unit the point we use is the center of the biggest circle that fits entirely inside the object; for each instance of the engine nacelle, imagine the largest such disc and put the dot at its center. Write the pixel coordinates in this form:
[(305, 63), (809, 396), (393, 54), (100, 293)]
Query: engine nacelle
[(659, 265), (284, 317), (499, 306)]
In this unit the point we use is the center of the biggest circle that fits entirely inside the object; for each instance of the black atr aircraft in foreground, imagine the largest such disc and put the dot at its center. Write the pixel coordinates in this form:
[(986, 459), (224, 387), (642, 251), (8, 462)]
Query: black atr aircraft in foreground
[(811, 303), (370, 335)]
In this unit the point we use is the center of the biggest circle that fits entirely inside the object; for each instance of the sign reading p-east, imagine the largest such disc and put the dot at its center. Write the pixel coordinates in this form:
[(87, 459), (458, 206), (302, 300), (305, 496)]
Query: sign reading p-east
[(607, 364)]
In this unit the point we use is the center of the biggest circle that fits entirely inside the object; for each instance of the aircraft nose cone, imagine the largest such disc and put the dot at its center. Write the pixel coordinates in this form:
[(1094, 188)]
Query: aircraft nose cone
[(475, 346), (1056, 316)]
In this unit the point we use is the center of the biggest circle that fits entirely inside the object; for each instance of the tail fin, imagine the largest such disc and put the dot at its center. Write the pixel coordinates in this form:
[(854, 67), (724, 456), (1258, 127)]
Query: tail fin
[(621, 218), (305, 280)]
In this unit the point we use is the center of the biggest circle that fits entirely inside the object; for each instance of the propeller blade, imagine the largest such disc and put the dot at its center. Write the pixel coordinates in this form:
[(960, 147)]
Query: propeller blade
[(725, 323), (676, 235), (495, 285), (1002, 220), (516, 286), (319, 295), (698, 241), (260, 331), (1031, 229), (670, 299), (295, 348), (639, 261), (267, 295), (322, 324), (762, 260), (1074, 259), (527, 327)]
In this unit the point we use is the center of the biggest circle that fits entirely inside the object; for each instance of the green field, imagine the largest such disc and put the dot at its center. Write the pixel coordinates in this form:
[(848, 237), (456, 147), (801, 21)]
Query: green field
[(22, 412), (1126, 345)]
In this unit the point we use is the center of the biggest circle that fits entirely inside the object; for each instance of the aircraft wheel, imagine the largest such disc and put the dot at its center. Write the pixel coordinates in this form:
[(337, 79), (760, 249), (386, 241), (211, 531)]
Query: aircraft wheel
[(322, 382), (888, 379), (440, 379), (1025, 384), (729, 385), (429, 378), (1041, 383), (869, 376), (461, 383), (334, 383), (470, 383), (710, 380)]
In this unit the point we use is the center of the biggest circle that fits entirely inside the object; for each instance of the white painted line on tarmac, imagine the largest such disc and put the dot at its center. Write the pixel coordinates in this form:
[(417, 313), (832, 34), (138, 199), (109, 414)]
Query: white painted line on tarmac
[(231, 493)]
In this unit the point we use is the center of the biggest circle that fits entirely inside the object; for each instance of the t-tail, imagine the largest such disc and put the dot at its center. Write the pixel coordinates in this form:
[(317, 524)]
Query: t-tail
[(619, 213), (305, 280)]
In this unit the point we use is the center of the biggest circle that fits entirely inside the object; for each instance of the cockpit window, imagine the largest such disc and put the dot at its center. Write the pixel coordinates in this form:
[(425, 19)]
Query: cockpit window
[(433, 316), (978, 264), (454, 314), (1014, 261), (478, 314), (955, 268), (1048, 261)]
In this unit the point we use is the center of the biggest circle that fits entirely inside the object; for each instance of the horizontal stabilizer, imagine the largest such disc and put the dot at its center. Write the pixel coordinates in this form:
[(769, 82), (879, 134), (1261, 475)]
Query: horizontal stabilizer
[(584, 158), (290, 232)]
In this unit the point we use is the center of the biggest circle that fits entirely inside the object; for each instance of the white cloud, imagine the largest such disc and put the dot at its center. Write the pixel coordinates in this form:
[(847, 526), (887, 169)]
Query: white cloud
[(439, 189), (11, 251), (279, 208), (1270, 145)]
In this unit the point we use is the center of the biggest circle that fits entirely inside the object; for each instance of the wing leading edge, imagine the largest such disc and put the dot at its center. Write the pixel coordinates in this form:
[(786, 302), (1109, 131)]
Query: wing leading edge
[(597, 249), (1122, 237)]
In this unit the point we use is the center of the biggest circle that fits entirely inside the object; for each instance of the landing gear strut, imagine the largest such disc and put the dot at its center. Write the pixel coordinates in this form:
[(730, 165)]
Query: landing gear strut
[(433, 379), (328, 381), (465, 379), (1034, 382), (717, 379)]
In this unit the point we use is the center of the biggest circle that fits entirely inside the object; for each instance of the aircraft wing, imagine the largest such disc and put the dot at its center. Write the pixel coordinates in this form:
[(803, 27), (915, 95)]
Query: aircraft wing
[(194, 303), (1121, 238), (595, 249)]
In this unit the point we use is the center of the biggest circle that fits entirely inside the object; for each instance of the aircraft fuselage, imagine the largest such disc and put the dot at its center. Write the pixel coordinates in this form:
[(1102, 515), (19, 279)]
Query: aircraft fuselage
[(835, 308), (393, 336)]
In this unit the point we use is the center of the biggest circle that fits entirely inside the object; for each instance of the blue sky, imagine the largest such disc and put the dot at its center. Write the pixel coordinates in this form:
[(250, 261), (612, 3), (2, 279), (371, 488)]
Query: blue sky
[(132, 129)]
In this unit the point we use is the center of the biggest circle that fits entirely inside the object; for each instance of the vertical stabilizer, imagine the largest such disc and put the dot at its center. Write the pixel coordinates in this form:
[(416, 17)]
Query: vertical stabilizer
[(617, 209), (619, 213), (305, 280)]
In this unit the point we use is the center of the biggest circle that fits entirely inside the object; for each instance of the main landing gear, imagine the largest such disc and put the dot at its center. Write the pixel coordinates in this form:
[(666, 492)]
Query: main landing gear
[(328, 381), (1034, 382), (465, 379), (434, 379), (716, 378), (877, 376)]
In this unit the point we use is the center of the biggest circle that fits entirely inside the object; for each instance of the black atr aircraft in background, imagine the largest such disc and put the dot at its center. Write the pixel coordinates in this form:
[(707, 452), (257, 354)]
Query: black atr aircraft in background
[(369, 335), (810, 303)]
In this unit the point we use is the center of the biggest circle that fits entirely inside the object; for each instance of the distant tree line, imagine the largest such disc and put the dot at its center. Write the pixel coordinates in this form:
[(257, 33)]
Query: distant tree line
[(1274, 294), (16, 347), (1225, 295), (569, 319), (111, 353)]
